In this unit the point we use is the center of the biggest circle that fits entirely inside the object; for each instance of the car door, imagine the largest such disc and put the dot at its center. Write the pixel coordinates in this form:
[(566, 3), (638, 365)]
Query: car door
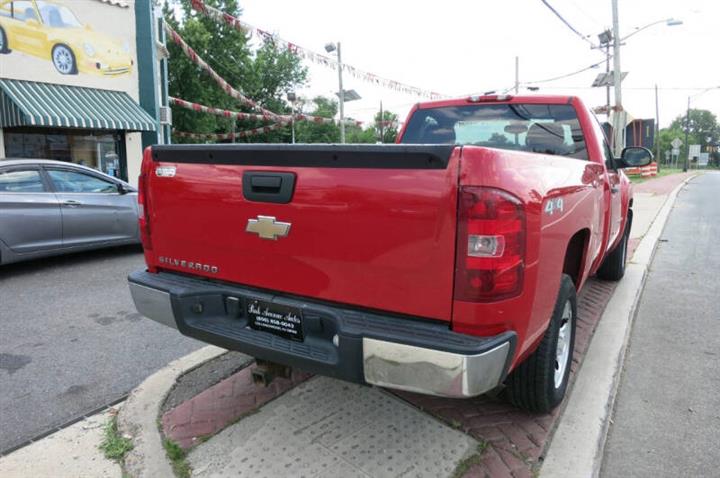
[(616, 213), (30, 218), (93, 209)]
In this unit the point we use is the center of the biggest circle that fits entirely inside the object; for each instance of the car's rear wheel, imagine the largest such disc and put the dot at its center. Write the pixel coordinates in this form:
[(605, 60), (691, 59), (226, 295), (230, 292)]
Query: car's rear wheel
[(539, 383), (3, 42), (64, 60)]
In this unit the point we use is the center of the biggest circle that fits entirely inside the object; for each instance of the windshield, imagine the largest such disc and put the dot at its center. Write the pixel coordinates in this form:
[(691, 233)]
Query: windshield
[(57, 16), (546, 129)]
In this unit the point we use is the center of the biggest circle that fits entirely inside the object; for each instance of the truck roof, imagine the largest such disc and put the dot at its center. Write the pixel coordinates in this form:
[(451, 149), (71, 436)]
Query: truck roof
[(536, 99)]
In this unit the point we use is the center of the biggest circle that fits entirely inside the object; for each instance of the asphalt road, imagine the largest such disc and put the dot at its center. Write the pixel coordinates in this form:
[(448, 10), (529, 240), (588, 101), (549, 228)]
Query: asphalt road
[(667, 413), (71, 340)]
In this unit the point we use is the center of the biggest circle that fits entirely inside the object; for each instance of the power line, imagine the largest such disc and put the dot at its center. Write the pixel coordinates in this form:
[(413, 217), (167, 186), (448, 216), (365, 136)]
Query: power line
[(557, 14)]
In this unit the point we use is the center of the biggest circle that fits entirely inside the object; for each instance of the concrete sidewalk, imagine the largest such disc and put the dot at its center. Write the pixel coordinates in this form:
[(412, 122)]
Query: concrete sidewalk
[(322, 427)]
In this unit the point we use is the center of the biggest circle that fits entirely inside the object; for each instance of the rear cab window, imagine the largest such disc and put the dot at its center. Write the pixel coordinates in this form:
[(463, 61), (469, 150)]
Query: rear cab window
[(535, 128)]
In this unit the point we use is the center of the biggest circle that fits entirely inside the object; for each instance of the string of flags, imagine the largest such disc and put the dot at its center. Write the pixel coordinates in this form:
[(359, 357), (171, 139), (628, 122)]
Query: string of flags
[(225, 18), (282, 119), (227, 136), (196, 59)]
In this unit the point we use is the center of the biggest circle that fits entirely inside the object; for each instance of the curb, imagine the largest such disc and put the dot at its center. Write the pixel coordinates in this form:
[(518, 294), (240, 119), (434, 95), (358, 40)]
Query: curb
[(576, 449), (139, 416)]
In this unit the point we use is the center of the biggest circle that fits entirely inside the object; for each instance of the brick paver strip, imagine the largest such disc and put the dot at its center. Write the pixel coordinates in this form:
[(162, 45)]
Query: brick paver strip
[(222, 404), (516, 439)]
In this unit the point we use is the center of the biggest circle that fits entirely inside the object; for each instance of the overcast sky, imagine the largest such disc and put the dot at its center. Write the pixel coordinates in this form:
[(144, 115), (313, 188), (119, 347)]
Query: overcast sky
[(460, 47)]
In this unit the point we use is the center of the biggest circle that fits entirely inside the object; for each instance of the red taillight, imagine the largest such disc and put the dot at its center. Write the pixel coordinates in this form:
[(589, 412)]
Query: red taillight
[(490, 245), (144, 212)]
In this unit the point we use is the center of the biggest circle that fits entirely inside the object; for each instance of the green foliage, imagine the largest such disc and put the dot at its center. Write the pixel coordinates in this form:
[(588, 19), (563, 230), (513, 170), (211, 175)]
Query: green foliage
[(114, 445), (309, 132), (264, 75), (177, 457), (703, 124), (389, 126)]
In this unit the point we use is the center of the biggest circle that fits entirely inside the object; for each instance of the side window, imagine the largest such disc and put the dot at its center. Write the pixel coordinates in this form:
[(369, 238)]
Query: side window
[(73, 182), (21, 181), (24, 10)]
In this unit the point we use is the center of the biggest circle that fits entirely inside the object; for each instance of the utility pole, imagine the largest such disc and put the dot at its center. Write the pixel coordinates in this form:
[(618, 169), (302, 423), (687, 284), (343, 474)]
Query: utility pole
[(341, 95), (686, 163), (517, 75), (382, 123), (657, 130), (618, 123), (607, 86)]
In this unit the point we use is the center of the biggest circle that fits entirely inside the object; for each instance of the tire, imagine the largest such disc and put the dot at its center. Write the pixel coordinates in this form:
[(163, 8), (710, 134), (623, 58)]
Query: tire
[(539, 383), (63, 59), (613, 267), (3, 43)]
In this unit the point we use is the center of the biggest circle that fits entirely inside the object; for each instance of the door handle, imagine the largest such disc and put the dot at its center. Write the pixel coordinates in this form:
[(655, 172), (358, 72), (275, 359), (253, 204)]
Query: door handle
[(72, 203)]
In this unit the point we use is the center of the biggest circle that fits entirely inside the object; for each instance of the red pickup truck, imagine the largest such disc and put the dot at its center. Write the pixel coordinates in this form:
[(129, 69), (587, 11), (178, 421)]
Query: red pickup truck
[(447, 264)]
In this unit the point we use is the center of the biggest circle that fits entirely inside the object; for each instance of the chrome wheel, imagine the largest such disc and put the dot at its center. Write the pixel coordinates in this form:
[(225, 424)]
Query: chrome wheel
[(562, 351), (63, 60)]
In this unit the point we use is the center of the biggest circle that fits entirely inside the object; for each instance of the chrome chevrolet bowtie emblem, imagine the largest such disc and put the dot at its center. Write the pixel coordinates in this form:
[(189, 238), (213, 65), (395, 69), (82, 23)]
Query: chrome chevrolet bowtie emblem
[(268, 228)]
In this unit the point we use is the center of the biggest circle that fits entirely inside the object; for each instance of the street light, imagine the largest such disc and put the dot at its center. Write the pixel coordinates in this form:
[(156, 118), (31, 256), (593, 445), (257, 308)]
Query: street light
[(331, 47), (618, 123)]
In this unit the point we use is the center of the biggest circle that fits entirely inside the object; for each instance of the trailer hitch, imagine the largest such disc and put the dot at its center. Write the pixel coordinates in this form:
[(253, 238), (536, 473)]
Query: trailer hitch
[(264, 372)]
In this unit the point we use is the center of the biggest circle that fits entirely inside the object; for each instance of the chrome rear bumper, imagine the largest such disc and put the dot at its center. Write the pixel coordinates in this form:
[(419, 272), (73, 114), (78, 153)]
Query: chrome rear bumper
[(373, 354)]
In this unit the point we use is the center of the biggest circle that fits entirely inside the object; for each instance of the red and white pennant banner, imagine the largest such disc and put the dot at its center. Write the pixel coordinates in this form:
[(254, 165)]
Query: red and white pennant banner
[(195, 58), (234, 22), (226, 136), (282, 119)]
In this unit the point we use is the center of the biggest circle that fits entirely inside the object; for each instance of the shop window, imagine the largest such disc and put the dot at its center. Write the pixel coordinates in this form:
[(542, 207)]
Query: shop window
[(100, 150)]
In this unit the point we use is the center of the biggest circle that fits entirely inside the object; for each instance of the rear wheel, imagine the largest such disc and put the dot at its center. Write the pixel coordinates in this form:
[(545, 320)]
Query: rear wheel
[(613, 267), (539, 383)]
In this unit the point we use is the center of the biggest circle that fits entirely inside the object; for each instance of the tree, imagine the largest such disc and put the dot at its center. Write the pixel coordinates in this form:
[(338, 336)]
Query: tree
[(388, 124), (265, 75), (311, 132), (703, 125)]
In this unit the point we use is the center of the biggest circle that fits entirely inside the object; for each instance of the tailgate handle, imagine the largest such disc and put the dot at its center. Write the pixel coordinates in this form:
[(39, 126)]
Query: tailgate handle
[(265, 186)]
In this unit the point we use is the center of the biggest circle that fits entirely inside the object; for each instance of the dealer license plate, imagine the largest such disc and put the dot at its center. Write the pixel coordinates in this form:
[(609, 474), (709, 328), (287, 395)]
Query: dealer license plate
[(277, 319)]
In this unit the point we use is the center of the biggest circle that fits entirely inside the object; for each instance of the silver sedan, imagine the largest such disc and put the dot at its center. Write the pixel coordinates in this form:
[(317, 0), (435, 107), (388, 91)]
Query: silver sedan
[(53, 207)]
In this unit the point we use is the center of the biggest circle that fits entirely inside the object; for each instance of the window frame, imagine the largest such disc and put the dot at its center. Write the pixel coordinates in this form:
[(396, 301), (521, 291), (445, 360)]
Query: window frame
[(28, 167), (48, 169)]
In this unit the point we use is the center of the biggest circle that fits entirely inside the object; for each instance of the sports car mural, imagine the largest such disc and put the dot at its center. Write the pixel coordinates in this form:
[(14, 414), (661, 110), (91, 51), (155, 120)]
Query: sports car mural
[(51, 31)]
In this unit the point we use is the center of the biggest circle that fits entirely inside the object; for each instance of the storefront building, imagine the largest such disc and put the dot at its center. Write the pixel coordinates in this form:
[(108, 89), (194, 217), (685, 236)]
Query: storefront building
[(69, 84)]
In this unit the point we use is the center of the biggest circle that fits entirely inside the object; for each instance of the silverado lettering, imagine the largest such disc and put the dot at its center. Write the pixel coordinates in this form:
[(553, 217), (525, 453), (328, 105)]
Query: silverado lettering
[(446, 264)]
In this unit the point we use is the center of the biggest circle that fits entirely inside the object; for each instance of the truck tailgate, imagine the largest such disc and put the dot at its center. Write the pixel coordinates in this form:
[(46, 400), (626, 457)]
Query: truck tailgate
[(370, 226)]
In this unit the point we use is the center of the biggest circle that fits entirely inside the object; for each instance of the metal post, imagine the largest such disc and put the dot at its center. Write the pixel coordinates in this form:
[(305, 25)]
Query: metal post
[(292, 121), (686, 163), (517, 75), (382, 123), (658, 159), (618, 126), (341, 95), (607, 86)]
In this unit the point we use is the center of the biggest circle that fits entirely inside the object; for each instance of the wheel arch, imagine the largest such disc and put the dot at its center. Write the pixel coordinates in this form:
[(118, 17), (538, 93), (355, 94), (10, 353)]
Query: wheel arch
[(576, 257)]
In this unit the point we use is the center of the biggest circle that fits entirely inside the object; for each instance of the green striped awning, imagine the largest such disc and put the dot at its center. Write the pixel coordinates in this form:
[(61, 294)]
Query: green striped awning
[(29, 103)]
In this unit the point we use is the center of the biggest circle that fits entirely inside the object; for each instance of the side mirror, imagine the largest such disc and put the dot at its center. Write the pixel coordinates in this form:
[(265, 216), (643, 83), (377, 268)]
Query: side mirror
[(122, 189), (634, 157)]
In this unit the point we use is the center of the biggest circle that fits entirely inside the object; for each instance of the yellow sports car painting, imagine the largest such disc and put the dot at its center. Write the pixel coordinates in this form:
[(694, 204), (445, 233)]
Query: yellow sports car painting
[(51, 31)]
